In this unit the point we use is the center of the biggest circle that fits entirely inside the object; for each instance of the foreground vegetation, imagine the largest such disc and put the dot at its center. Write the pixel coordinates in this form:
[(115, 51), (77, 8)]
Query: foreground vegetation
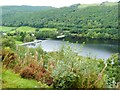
[(61, 69), (11, 80)]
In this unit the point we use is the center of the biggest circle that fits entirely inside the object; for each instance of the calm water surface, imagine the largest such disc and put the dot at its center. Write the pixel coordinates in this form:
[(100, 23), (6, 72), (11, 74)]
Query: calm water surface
[(95, 50)]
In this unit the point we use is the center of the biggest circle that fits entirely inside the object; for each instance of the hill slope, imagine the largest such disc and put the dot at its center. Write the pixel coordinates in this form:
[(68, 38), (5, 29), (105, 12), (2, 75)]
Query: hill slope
[(97, 18)]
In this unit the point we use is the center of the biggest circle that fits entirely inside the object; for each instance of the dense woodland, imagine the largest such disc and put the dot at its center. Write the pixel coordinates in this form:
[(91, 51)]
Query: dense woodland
[(95, 21)]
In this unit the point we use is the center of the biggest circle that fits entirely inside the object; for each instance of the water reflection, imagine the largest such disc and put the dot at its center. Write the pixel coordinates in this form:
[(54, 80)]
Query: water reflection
[(101, 50)]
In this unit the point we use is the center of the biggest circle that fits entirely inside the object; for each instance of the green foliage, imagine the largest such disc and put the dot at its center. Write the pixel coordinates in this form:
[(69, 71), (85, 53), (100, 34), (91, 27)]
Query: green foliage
[(72, 71), (27, 34), (18, 42), (46, 33), (28, 38), (8, 42), (113, 71)]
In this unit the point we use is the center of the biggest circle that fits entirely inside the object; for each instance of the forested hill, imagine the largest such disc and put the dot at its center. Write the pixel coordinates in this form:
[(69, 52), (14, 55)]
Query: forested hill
[(78, 18), (25, 8)]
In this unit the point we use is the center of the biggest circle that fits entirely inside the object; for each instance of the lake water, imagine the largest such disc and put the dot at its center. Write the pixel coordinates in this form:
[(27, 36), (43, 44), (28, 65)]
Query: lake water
[(95, 50)]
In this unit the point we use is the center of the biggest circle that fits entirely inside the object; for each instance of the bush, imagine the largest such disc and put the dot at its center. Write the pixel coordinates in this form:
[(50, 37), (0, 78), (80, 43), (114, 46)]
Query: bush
[(28, 73), (36, 71), (8, 42), (113, 71), (8, 57), (72, 71)]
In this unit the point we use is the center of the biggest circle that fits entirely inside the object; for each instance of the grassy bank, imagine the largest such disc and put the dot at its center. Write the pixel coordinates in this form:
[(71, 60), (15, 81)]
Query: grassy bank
[(12, 80)]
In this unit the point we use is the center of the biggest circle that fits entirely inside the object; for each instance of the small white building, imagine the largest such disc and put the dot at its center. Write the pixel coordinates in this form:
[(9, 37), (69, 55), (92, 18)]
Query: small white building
[(62, 36), (4, 33)]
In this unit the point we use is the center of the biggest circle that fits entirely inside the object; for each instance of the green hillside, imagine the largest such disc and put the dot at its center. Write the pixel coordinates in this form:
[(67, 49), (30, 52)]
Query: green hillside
[(96, 20), (6, 29), (24, 8)]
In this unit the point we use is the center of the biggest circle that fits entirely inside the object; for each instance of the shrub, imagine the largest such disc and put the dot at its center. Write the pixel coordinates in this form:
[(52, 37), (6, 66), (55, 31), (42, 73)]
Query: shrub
[(36, 71), (8, 57), (8, 42), (27, 72), (113, 71), (72, 71)]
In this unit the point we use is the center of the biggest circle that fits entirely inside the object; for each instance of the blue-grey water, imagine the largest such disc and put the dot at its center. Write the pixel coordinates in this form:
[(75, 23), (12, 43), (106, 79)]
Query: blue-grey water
[(95, 50)]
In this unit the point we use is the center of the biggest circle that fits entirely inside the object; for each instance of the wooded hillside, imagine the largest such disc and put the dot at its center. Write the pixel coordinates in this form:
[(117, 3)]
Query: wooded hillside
[(96, 20)]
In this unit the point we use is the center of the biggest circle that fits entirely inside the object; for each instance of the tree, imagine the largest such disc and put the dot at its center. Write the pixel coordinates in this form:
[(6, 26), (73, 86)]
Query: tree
[(29, 38), (8, 42)]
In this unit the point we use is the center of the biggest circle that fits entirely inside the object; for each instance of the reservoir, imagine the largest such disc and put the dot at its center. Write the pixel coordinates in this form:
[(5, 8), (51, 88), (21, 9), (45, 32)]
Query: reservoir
[(92, 49)]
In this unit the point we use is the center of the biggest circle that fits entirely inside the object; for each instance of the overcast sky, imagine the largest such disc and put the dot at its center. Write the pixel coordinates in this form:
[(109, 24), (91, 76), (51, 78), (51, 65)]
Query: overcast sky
[(54, 3)]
